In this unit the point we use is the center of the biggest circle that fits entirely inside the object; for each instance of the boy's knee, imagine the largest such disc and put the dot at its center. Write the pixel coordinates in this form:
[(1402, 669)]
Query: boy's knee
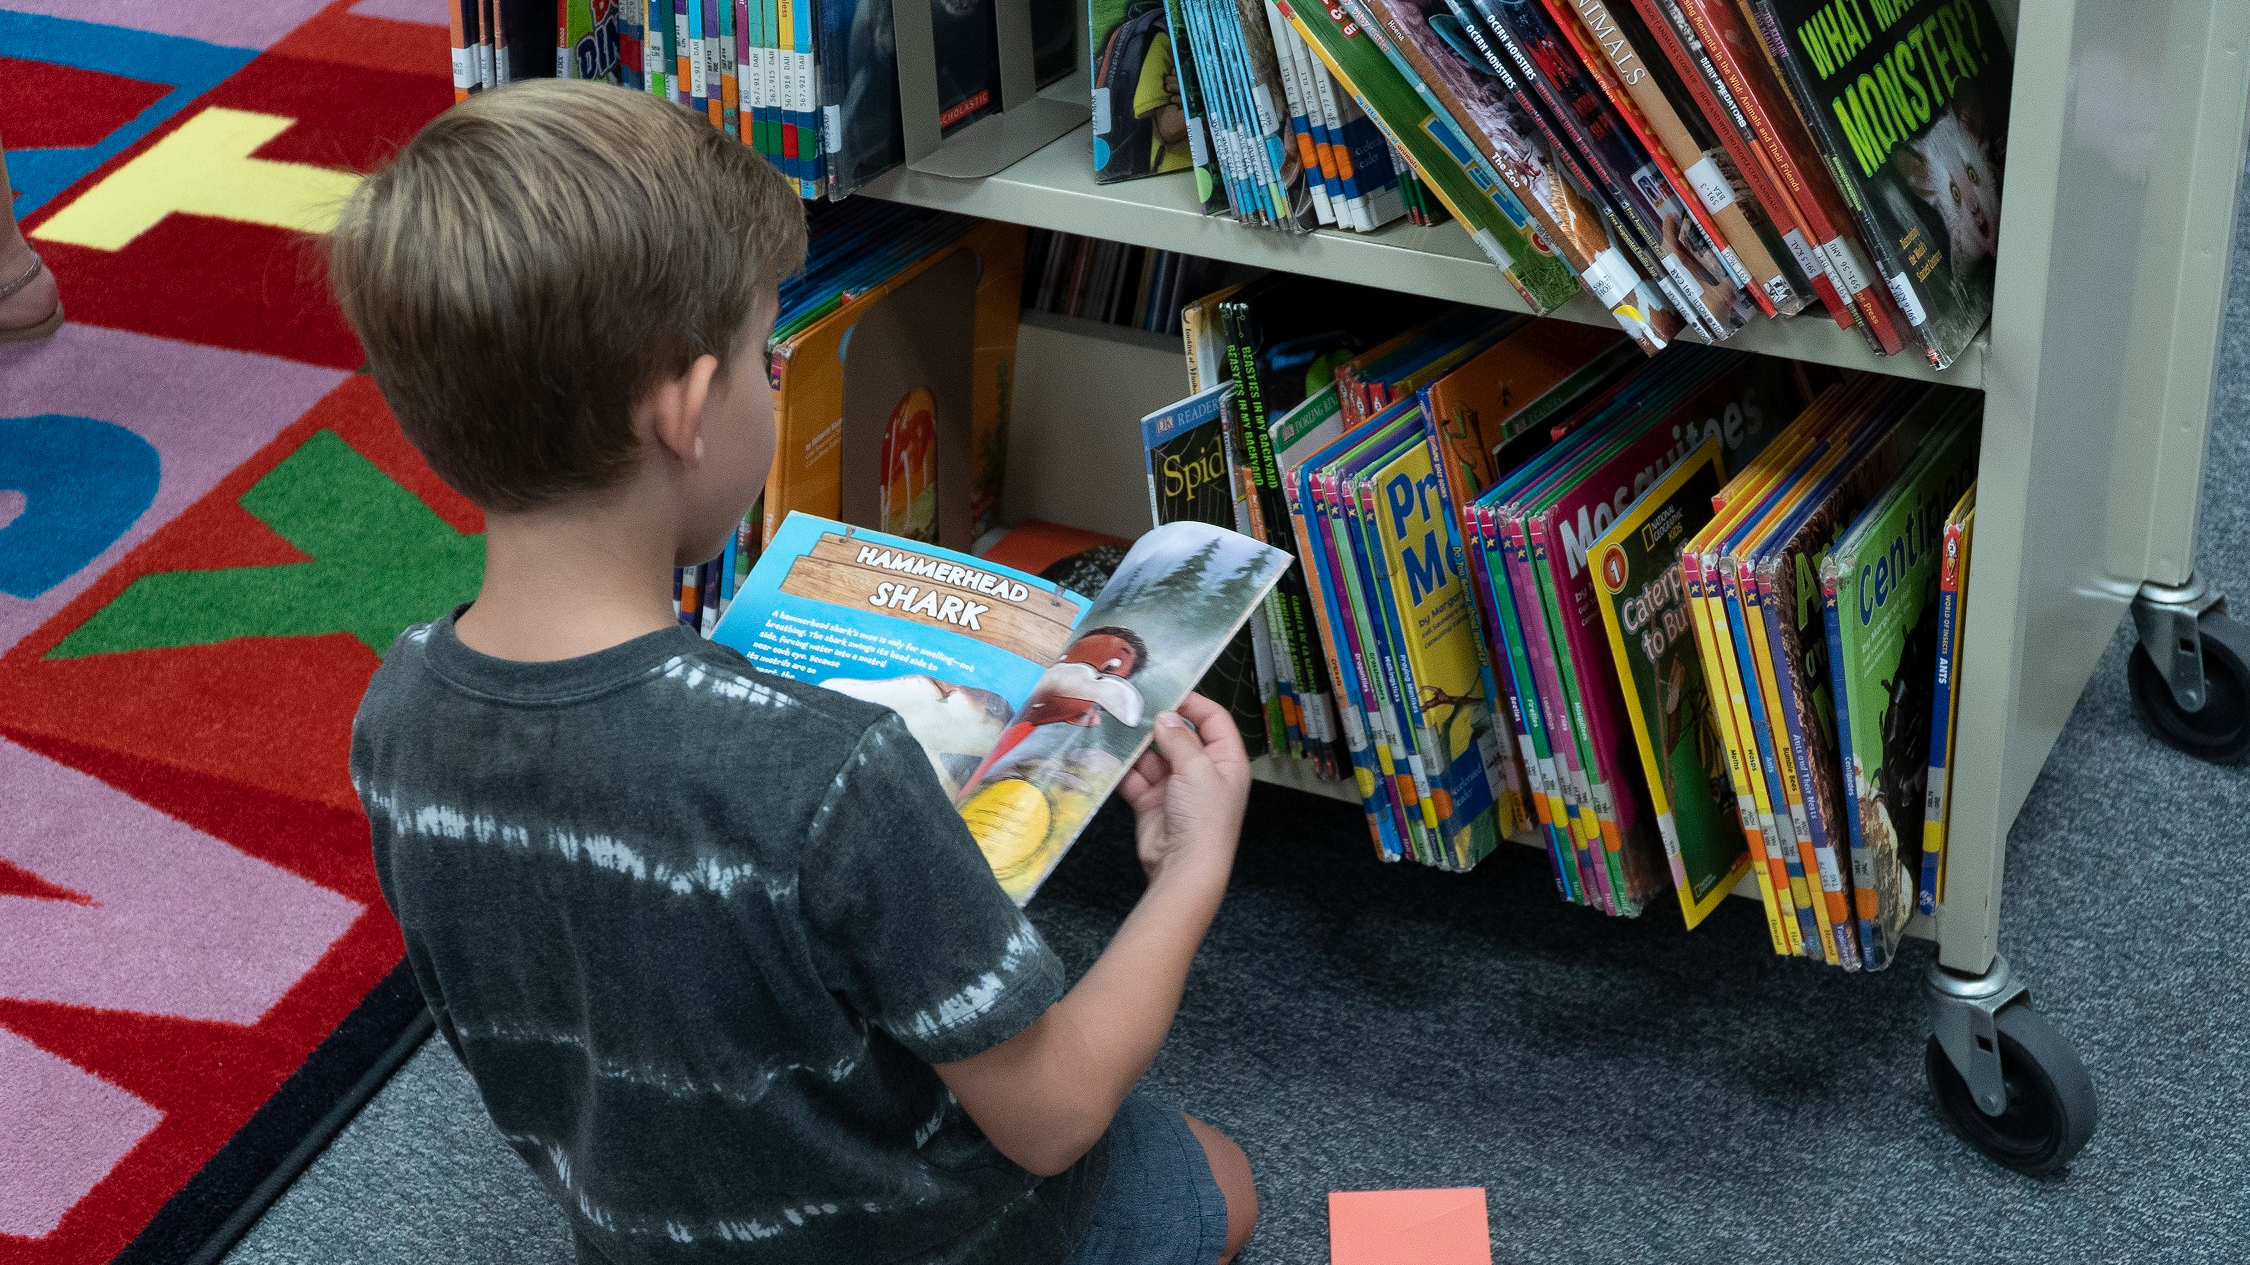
[(1230, 1168)]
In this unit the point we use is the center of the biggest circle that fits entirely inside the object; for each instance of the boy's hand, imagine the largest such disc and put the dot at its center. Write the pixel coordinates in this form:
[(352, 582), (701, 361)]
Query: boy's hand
[(1188, 791)]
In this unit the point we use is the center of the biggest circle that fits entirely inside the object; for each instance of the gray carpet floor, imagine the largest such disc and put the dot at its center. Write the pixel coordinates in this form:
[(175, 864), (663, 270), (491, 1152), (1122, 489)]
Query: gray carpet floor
[(1622, 1090)]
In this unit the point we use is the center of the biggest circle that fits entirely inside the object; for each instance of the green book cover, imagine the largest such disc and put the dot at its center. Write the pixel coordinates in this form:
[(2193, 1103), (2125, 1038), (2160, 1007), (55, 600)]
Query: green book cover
[(1644, 610), (1880, 584)]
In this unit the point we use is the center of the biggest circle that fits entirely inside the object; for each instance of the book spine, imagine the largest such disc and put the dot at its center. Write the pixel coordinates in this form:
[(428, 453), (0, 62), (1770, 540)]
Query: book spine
[(1595, 752), (1866, 907), (1210, 182), (1784, 142), (1757, 811), (1539, 757), (683, 58), (1390, 661), (1390, 750), (1351, 704), (1588, 842), (1944, 710), (1800, 721), (1906, 301), (1782, 787), (1706, 195), (1699, 76), (1707, 650), (1297, 93), (458, 28)]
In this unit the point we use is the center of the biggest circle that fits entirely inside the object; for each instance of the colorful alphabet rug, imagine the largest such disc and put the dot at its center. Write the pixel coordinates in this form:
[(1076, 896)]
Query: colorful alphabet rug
[(210, 530)]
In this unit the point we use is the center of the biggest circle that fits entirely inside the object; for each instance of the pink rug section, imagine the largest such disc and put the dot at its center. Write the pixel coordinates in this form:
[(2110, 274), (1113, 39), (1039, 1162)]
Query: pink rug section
[(255, 24), (67, 1128), (182, 924), (204, 410), (427, 12)]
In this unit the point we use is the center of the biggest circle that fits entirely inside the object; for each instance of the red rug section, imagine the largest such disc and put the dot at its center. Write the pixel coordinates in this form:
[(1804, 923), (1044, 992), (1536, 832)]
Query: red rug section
[(207, 1078), (247, 740), (248, 287), (99, 103)]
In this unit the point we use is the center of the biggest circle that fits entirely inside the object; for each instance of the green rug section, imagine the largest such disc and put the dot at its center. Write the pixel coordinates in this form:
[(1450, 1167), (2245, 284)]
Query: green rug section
[(381, 560)]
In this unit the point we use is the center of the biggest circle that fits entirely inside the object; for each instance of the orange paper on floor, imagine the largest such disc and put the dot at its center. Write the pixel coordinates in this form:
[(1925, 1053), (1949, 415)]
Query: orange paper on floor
[(1409, 1227)]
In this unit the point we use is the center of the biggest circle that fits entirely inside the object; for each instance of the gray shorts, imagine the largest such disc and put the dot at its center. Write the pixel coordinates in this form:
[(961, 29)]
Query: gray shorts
[(1159, 1204)]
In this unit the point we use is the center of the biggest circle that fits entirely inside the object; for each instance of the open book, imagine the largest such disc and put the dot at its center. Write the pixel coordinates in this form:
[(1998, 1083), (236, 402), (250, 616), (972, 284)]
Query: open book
[(1030, 700)]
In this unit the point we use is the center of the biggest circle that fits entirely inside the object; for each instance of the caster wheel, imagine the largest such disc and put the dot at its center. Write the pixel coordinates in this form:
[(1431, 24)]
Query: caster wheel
[(2220, 733), (2051, 1111)]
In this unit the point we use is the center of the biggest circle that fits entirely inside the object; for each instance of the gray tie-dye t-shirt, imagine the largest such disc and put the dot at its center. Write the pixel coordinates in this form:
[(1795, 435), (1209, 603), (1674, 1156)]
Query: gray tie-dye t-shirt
[(699, 933)]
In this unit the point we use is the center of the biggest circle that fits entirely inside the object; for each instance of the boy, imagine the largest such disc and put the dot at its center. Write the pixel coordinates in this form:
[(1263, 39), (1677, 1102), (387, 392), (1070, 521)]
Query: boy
[(728, 970)]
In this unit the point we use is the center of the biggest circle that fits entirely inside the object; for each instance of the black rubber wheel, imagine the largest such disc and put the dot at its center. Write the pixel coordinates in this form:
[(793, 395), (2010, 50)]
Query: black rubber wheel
[(2220, 732), (2051, 1111)]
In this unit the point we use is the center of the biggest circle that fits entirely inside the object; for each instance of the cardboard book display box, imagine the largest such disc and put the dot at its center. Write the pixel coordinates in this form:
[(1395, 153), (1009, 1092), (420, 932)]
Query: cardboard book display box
[(892, 411)]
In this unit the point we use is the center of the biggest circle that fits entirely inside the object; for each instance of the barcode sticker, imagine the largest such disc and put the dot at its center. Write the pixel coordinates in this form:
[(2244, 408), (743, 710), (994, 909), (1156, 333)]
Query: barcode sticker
[(1908, 301), (1711, 185), (1610, 278)]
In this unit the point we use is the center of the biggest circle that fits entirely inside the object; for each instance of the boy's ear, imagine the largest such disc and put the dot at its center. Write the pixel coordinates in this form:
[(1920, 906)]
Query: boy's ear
[(672, 412)]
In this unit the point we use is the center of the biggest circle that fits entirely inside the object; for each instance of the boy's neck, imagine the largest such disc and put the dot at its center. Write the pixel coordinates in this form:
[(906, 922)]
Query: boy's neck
[(571, 580)]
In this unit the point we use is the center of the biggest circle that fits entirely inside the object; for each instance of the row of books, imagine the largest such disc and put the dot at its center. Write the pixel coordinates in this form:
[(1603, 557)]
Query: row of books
[(1524, 552), (1111, 282), (1227, 89), (811, 84), (1694, 164)]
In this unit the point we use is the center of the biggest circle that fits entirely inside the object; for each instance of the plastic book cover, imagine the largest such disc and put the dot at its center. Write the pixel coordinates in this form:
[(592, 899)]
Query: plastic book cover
[(593, 34), (1355, 610), (1285, 337), (1371, 764), (1695, 78), (1593, 141), (1361, 67), (1140, 124), (1721, 668), (904, 392), (1644, 610), (1380, 646), (1296, 86), (1443, 660), (1402, 365), (1561, 525), (1536, 757), (1243, 193), (1880, 590), (1786, 575), (1254, 177), (1610, 41), (1953, 588), (1441, 48), (1030, 701), (1909, 105), (1188, 480), (1696, 253), (1210, 182), (1738, 55)]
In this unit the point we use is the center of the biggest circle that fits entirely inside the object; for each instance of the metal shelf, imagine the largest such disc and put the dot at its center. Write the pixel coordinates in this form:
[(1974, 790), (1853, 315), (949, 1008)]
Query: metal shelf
[(1054, 188)]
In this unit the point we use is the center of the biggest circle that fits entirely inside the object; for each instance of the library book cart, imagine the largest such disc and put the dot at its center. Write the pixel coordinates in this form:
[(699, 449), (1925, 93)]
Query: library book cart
[(2124, 149)]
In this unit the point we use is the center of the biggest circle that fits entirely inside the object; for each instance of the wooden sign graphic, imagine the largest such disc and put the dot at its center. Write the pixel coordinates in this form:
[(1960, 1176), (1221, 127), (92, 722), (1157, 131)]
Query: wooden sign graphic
[(847, 570)]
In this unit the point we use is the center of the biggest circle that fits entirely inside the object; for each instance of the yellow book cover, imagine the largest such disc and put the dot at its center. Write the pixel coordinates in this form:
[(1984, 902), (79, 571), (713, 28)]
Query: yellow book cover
[(1446, 679), (1644, 610)]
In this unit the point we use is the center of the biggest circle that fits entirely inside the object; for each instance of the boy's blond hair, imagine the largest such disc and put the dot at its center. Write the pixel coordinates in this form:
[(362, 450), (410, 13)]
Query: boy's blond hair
[(538, 257)]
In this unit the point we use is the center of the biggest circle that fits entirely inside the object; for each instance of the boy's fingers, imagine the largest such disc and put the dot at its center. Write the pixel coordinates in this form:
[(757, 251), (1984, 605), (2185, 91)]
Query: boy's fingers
[(1222, 739), (1150, 768), (1182, 750)]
